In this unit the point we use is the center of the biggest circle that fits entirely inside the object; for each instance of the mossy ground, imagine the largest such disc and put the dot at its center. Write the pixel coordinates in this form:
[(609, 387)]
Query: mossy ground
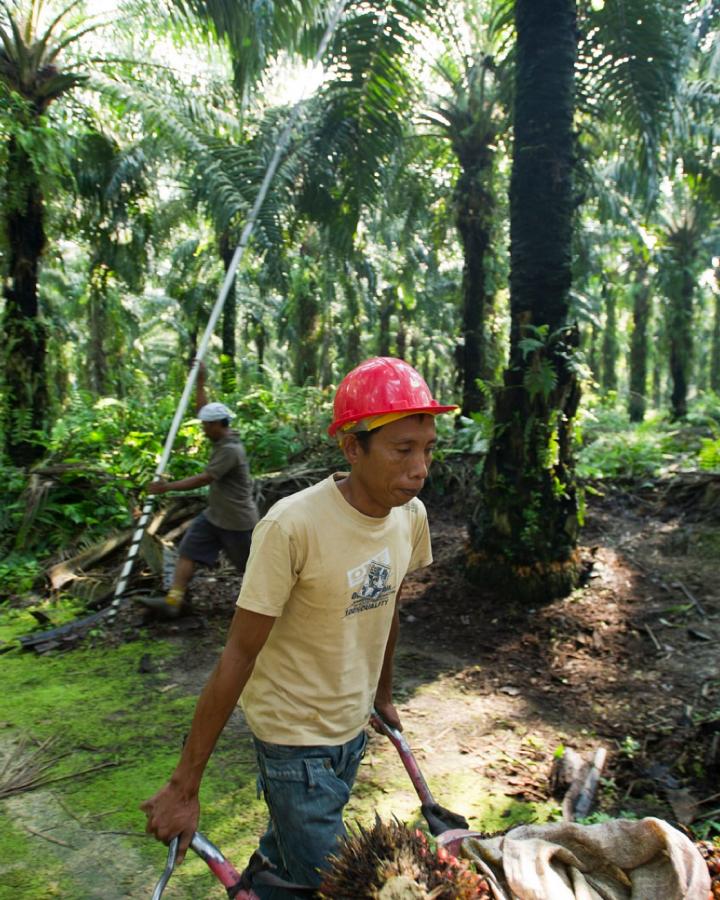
[(128, 706), (100, 708)]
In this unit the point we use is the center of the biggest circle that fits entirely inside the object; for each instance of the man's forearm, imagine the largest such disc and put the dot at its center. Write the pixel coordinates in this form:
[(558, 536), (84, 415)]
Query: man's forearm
[(175, 808), (200, 392), (189, 484)]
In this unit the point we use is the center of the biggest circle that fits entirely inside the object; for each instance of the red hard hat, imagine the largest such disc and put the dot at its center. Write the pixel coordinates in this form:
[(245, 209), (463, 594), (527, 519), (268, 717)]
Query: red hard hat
[(379, 386)]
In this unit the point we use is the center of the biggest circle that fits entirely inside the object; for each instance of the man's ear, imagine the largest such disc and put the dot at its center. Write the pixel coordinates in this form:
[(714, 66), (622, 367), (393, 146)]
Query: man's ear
[(351, 448)]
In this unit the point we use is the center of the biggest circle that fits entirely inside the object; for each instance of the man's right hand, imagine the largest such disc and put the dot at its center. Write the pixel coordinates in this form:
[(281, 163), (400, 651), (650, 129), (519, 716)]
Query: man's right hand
[(172, 812)]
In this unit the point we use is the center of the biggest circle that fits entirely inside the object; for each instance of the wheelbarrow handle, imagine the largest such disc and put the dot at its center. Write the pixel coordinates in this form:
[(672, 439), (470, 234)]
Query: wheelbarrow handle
[(438, 818), (221, 868), (237, 885), (406, 755), (169, 868)]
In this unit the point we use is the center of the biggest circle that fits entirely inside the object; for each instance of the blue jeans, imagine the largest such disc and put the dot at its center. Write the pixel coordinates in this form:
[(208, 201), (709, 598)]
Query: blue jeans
[(306, 789)]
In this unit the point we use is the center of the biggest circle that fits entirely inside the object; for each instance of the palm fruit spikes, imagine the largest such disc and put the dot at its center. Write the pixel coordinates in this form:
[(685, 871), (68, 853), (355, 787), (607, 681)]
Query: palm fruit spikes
[(391, 861)]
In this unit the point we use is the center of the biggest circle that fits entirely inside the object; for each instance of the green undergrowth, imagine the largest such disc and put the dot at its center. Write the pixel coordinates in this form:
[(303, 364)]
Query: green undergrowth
[(101, 453), (610, 447), (18, 876)]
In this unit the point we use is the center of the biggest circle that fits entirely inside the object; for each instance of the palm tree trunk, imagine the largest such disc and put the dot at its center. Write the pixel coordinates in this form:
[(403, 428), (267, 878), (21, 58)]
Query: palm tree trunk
[(610, 343), (260, 339), (639, 346), (307, 311), (474, 207), (352, 348), (25, 407), (524, 532), (657, 380), (387, 308), (325, 366), (97, 358), (681, 341), (401, 341), (592, 351)]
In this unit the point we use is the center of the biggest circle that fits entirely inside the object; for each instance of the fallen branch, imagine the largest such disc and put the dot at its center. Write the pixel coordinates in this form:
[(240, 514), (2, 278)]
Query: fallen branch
[(46, 837), (33, 783), (694, 600), (655, 641), (56, 635), (21, 764), (137, 834), (577, 781), (592, 779), (74, 567), (70, 569)]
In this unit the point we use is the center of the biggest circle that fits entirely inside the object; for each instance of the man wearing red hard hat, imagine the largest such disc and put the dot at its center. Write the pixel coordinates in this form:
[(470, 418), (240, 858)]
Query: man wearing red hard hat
[(310, 649)]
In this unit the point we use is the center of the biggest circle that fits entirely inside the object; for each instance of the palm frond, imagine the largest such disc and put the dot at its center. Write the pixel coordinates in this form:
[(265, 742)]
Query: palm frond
[(629, 59), (363, 108), (42, 41), (256, 30)]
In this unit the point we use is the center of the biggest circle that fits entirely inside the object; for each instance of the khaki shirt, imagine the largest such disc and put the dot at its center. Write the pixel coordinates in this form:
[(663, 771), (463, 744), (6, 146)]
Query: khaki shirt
[(330, 575), (230, 499)]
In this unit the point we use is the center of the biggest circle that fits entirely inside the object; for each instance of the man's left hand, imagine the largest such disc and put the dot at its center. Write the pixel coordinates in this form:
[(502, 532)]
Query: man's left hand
[(389, 713), (157, 487)]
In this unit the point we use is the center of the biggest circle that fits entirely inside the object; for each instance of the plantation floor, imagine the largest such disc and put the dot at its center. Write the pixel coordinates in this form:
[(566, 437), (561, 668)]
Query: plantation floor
[(628, 662)]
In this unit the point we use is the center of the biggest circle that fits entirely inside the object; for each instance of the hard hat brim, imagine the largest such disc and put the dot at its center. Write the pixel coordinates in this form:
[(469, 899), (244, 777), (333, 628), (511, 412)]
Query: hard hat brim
[(428, 410)]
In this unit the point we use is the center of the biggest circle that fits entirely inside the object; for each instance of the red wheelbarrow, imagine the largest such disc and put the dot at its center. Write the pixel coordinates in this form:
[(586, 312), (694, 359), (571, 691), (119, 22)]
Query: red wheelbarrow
[(239, 885)]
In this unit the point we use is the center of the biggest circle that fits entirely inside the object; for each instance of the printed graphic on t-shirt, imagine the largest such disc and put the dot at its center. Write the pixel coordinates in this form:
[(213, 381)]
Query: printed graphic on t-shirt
[(373, 579)]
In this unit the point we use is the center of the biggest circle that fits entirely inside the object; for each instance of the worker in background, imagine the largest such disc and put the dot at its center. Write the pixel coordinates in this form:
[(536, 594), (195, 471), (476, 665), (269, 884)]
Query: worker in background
[(310, 649), (231, 514)]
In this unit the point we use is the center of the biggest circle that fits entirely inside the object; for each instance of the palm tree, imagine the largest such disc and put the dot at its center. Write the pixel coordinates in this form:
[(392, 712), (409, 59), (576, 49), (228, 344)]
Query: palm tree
[(471, 119), (524, 533), (332, 170), (641, 313), (672, 105), (689, 218), (688, 242), (192, 282), (111, 184), (526, 529), (32, 76), (257, 31)]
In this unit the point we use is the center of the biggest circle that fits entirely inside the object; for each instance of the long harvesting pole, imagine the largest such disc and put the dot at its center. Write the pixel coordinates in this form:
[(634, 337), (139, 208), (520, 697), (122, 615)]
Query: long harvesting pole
[(215, 314)]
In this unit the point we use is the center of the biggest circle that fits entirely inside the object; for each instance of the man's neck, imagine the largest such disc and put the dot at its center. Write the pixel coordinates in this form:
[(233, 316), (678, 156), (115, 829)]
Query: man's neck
[(359, 499)]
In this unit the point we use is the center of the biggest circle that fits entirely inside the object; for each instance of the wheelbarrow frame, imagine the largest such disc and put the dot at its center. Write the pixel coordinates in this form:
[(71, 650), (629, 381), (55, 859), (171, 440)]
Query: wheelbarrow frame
[(440, 821)]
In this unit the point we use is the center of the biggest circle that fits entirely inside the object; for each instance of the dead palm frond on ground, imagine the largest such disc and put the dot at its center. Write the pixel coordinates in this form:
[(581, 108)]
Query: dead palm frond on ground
[(26, 764)]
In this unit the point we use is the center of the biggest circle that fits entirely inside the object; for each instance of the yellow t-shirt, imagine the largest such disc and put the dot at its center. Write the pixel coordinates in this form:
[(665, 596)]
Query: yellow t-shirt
[(330, 575)]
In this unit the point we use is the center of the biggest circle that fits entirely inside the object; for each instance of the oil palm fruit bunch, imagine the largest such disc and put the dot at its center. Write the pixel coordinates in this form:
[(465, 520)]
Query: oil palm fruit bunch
[(711, 854), (391, 861)]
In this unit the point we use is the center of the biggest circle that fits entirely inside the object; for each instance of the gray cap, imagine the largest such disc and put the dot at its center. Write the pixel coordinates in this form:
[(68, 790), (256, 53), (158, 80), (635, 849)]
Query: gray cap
[(214, 412)]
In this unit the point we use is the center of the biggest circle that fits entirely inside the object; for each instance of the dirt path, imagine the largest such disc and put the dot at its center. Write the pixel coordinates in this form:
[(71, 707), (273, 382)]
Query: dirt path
[(628, 661)]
